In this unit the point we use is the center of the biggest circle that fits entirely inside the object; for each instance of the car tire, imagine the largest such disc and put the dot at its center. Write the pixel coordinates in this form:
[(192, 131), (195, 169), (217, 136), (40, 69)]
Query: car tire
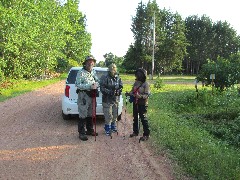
[(66, 116)]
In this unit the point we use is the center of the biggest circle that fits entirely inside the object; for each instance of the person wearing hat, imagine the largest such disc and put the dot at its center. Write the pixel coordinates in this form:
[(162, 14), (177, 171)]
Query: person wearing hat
[(140, 91), (86, 83), (111, 88)]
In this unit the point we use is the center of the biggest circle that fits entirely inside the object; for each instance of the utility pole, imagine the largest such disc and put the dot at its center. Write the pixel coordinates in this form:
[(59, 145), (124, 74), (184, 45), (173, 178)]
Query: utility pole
[(153, 43)]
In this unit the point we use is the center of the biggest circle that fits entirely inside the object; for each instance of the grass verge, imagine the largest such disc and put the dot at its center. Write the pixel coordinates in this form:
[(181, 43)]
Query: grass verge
[(18, 87), (198, 152)]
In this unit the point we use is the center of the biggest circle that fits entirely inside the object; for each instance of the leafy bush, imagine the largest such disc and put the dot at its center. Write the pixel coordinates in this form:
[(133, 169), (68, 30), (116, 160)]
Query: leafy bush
[(227, 73), (2, 78), (158, 83)]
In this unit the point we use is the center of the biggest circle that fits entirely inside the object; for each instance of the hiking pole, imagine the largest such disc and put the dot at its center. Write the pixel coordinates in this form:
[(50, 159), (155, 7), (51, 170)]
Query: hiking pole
[(125, 120), (136, 103), (94, 111), (138, 121), (117, 117)]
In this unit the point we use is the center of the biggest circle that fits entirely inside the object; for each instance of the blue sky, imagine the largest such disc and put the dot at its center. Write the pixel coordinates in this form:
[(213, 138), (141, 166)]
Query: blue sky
[(109, 21)]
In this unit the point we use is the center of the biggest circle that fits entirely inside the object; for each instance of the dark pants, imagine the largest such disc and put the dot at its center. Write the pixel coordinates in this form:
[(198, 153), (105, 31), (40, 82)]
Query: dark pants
[(140, 110), (81, 125)]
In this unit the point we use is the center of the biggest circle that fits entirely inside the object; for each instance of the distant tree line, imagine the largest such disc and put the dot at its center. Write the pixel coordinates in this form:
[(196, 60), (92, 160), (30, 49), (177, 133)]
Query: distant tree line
[(181, 46), (38, 36)]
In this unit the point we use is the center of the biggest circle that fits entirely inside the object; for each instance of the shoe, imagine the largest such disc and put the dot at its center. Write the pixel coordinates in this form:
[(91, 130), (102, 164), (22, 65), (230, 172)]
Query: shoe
[(114, 130), (107, 129), (92, 133), (143, 138), (83, 137), (113, 127), (133, 134)]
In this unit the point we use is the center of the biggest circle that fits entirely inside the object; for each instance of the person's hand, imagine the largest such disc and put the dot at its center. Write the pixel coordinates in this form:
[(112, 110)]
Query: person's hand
[(118, 92), (94, 86), (138, 96), (127, 94)]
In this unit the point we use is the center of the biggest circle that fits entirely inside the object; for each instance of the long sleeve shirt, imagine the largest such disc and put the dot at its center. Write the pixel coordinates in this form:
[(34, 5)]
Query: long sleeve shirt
[(143, 90), (85, 79)]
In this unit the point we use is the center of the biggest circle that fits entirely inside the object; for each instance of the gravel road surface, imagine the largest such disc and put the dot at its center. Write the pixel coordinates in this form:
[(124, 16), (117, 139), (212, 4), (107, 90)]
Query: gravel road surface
[(36, 143)]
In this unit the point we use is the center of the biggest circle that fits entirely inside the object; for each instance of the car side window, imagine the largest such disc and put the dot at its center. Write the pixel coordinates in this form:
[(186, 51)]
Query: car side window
[(73, 74), (72, 77)]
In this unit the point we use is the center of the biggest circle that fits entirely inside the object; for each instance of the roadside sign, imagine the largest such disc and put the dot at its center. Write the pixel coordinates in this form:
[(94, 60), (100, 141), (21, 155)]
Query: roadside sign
[(212, 76)]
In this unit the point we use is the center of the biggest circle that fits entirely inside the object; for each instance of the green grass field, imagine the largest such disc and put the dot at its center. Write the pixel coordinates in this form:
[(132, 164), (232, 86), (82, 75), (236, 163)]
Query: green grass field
[(200, 131)]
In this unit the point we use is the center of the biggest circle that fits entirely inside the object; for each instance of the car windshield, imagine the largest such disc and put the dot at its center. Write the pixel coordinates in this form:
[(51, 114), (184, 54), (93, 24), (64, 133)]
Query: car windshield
[(73, 73)]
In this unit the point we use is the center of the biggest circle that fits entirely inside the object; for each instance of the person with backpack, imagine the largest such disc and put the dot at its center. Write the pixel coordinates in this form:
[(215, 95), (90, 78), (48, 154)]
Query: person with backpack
[(139, 95), (87, 84), (111, 88)]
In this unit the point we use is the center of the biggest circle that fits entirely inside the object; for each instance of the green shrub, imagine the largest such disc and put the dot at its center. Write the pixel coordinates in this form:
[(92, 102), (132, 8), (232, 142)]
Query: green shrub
[(158, 83), (227, 73), (2, 78)]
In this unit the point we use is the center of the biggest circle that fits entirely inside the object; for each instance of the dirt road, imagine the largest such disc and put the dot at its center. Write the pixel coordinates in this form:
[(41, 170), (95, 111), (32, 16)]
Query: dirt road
[(36, 143)]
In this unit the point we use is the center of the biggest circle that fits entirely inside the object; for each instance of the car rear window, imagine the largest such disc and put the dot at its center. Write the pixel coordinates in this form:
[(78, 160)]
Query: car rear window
[(101, 73), (73, 73), (72, 76)]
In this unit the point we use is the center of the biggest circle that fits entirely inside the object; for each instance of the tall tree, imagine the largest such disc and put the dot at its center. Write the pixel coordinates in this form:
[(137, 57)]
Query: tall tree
[(78, 39), (171, 47), (138, 29), (199, 34), (208, 40), (170, 41), (35, 34), (111, 58), (225, 40)]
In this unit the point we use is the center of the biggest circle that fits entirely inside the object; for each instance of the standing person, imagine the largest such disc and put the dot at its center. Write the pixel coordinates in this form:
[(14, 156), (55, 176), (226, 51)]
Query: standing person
[(111, 88), (86, 83), (140, 91)]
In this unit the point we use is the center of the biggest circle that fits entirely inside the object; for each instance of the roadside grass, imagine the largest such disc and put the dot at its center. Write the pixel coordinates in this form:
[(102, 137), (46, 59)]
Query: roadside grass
[(128, 79), (18, 87), (183, 123)]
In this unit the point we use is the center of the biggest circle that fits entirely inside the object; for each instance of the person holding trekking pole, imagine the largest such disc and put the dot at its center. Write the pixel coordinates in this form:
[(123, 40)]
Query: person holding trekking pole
[(87, 84), (140, 93), (111, 88)]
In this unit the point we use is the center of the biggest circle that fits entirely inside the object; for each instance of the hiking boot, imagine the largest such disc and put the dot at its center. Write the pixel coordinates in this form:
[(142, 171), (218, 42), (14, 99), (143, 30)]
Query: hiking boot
[(92, 133), (143, 138), (83, 137), (133, 134), (107, 129), (113, 127)]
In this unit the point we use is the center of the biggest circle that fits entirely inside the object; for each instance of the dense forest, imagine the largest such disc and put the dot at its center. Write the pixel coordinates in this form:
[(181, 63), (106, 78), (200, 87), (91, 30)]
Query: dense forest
[(39, 37), (180, 45)]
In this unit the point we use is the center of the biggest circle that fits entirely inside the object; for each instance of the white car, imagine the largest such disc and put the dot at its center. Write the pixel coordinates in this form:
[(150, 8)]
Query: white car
[(69, 99)]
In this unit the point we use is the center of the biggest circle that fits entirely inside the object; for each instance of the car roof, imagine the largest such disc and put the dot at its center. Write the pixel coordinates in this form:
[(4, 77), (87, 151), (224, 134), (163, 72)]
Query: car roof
[(95, 68)]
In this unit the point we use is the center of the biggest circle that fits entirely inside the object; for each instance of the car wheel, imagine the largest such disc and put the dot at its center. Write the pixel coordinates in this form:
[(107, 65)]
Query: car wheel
[(66, 116), (119, 117)]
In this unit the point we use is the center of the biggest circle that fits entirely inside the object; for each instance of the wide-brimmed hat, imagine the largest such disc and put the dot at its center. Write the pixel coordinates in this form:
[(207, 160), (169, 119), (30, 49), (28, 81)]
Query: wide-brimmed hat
[(89, 58)]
